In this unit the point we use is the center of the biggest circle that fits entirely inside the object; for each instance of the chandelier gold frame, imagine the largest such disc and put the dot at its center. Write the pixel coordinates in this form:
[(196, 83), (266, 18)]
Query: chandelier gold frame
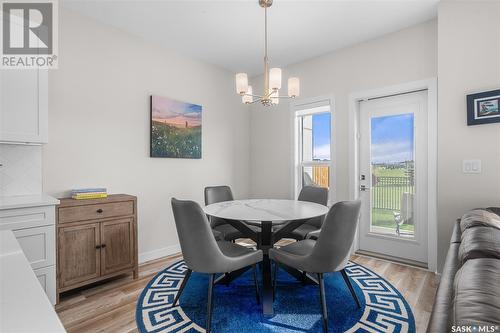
[(271, 92)]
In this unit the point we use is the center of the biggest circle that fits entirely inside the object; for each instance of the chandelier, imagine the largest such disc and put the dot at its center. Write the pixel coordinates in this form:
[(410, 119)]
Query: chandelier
[(272, 77)]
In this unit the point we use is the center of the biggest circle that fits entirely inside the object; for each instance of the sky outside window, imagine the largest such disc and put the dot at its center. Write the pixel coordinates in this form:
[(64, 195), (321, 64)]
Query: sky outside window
[(321, 124), (392, 139)]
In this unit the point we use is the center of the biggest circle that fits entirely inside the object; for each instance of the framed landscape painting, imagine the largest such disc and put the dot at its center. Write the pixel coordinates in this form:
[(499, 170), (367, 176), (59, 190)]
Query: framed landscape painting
[(483, 108), (175, 128)]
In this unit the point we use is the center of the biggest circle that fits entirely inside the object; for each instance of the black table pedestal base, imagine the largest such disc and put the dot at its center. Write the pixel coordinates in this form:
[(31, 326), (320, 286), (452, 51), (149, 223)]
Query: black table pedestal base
[(265, 241)]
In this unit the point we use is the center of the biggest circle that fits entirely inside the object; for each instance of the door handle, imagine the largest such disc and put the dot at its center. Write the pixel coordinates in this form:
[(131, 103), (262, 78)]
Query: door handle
[(98, 247), (363, 188), (99, 211)]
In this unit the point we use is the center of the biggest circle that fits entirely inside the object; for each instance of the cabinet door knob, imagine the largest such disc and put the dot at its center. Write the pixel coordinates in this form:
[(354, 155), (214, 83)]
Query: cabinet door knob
[(99, 210), (98, 246), (103, 245)]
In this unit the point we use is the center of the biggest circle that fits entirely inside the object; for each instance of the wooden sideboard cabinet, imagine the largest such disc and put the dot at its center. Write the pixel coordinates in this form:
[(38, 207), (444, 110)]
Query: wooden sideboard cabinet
[(96, 239)]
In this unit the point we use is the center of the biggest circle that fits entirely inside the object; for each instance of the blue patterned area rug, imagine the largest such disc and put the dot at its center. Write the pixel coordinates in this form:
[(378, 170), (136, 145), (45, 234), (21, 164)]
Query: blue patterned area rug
[(296, 308)]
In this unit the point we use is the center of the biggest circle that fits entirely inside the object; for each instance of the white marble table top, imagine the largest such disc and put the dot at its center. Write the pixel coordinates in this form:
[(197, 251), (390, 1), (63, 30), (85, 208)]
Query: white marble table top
[(257, 210)]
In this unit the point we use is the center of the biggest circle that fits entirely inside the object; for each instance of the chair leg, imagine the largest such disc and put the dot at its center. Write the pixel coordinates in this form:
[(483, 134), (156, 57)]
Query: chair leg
[(275, 275), (323, 302), (257, 293), (210, 302), (303, 278), (351, 289), (183, 284)]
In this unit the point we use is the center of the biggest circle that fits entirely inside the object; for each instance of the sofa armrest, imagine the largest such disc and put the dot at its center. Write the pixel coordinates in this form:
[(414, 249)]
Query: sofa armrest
[(456, 236), (440, 317)]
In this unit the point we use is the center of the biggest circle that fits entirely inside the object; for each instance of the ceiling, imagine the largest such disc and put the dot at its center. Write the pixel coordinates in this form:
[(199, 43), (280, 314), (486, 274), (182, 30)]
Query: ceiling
[(230, 34)]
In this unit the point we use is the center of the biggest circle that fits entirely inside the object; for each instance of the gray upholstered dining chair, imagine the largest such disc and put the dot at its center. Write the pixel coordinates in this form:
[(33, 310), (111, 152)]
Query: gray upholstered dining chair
[(203, 254), (314, 194), (329, 253), (214, 194)]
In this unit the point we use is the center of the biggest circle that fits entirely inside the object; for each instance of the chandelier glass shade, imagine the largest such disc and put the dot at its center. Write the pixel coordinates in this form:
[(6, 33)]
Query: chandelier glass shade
[(272, 78)]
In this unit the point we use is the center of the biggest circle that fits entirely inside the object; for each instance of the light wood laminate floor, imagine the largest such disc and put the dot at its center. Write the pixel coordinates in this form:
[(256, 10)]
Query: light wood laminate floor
[(110, 307)]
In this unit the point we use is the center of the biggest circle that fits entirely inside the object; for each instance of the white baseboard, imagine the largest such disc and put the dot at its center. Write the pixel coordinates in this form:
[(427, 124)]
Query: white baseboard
[(159, 253)]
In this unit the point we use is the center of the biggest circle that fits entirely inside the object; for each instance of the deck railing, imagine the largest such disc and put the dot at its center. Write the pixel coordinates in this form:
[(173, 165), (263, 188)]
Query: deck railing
[(321, 175), (387, 191)]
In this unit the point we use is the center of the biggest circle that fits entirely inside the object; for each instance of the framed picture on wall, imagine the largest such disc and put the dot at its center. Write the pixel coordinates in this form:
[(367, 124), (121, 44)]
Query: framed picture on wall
[(483, 108), (175, 130)]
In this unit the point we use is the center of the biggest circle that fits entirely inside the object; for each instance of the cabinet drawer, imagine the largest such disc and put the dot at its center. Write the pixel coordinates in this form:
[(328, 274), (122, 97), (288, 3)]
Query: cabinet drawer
[(47, 278), (95, 211), (38, 245), (19, 218)]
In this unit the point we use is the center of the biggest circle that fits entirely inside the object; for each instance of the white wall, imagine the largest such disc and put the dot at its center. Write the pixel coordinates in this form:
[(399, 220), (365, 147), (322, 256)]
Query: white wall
[(469, 61), (99, 125), (404, 56)]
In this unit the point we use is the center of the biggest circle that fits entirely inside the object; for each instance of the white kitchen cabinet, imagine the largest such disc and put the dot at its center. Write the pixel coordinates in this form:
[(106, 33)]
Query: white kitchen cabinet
[(24, 106), (38, 245), (47, 278), (32, 220), (15, 218)]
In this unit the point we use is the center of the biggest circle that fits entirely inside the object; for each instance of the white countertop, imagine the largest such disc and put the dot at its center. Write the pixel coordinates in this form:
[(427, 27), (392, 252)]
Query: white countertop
[(22, 201), (8, 244), (24, 307), (258, 210)]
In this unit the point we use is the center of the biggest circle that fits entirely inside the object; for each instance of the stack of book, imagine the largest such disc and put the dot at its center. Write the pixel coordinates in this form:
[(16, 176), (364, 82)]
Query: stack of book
[(89, 193)]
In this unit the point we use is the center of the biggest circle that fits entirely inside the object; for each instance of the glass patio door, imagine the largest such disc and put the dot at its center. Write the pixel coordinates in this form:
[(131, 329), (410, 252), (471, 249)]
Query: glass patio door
[(393, 176)]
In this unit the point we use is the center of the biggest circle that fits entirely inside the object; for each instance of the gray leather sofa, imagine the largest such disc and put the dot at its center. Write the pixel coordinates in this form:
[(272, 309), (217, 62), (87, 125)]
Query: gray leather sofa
[(469, 289)]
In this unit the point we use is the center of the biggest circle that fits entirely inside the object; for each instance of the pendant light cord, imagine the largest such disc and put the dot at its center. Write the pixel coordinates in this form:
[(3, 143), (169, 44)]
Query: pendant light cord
[(265, 31), (266, 60)]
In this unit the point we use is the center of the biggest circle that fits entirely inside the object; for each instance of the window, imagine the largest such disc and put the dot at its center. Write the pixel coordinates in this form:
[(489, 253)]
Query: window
[(313, 148)]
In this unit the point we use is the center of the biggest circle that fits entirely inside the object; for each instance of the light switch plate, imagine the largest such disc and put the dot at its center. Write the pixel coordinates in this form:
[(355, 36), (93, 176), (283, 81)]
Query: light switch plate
[(471, 166)]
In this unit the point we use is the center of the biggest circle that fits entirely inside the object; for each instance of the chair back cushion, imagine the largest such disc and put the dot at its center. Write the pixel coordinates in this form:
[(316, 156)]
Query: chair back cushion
[(317, 195), (334, 243), (214, 194), (198, 245), (314, 194)]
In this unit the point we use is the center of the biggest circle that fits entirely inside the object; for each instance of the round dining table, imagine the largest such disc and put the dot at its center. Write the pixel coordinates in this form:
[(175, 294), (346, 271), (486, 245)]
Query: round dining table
[(266, 213)]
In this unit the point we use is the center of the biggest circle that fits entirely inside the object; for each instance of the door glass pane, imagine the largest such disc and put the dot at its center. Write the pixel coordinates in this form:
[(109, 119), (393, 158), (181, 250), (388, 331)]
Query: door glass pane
[(316, 175), (316, 133), (393, 175)]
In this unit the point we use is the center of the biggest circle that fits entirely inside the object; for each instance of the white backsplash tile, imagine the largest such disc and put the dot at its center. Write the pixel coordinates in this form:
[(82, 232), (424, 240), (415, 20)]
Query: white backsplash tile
[(21, 170)]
